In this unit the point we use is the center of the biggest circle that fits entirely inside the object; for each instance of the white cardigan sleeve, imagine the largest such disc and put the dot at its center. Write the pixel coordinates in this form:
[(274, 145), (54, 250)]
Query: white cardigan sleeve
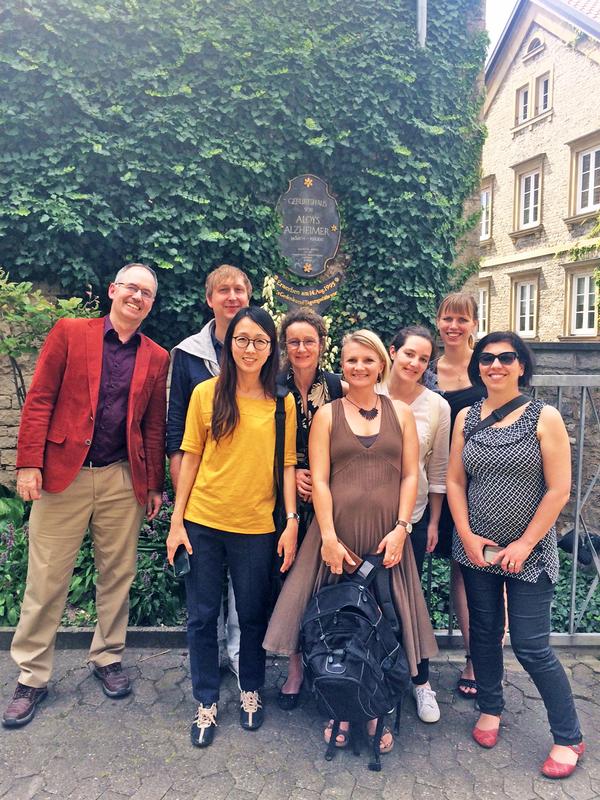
[(438, 461)]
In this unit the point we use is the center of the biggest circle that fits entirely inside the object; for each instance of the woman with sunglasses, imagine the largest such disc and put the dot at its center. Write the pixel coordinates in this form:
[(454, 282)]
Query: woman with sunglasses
[(224, 512), (364, 463), (411, 351), (448, 375), (302, 337), (508, 479)]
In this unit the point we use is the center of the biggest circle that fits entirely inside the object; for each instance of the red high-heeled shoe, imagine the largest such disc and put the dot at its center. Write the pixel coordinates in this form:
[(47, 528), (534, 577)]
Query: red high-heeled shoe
[(556, 769), (487, 739)]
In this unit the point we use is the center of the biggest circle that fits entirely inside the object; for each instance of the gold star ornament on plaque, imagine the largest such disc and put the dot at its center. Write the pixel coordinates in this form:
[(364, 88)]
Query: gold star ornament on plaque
[(308, 182), (307, 267)]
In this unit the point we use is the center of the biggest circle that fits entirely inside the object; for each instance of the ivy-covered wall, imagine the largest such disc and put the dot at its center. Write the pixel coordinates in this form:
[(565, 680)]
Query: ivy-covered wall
[(165, 132)]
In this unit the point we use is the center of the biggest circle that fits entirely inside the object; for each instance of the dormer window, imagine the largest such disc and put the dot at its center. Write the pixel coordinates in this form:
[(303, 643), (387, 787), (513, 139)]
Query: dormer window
[(535, 46)]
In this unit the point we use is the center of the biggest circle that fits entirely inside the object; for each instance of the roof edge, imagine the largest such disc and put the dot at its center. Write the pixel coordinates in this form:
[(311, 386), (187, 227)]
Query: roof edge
[(562, 9)]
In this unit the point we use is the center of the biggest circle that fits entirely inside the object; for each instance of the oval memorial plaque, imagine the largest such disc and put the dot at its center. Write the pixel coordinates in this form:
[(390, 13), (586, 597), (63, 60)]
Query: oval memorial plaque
[(310, 231)]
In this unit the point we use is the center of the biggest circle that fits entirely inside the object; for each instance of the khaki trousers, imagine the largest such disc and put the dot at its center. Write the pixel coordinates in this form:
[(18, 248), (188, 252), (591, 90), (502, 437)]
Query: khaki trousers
[(102, 499)]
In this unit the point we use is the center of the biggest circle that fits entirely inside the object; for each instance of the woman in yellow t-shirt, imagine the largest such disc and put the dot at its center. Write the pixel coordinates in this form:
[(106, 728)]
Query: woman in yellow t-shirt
[(224, 511)]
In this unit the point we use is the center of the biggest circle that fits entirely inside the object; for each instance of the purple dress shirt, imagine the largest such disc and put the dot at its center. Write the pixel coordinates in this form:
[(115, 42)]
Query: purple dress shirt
[(109, 443)]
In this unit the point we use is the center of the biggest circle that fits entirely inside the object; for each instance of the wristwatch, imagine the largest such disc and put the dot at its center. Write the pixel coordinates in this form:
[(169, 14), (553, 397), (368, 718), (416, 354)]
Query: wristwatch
[(293, 515), (402, 524)]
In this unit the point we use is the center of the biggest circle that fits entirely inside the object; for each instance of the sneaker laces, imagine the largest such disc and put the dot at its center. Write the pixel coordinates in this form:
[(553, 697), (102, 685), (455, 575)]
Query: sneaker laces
[(24, 691), (425, 696), (206, 716), (250, 701)]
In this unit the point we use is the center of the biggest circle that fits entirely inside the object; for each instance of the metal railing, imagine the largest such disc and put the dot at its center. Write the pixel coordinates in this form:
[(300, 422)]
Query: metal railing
[(583, 386)]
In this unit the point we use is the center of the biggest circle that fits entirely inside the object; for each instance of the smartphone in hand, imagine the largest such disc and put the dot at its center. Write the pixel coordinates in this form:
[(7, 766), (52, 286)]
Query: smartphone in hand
[(490, 552), (181, 562)]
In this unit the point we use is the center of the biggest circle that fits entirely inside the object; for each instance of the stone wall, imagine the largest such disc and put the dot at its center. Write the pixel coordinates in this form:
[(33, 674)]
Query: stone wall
[(9, 418), (575, 358)]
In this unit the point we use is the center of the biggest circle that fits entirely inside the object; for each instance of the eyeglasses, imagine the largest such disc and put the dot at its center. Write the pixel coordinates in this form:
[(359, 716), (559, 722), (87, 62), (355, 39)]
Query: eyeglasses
[(243, 341), (294, 344), (133, 288), (506, 359)]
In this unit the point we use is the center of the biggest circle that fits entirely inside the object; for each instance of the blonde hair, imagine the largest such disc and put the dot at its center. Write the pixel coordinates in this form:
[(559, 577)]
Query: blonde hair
[(459, 303), (225, 272), (373, 342)]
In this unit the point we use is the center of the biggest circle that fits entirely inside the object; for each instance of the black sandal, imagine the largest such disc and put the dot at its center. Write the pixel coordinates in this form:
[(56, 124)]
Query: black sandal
[(466, 685)]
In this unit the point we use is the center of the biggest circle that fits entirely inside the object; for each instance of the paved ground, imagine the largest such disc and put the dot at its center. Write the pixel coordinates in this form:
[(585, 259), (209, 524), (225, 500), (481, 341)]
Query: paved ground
[(83, 745)]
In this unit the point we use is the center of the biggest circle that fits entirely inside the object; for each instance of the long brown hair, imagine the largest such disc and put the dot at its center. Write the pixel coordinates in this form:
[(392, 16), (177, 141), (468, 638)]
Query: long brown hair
[(459, 303), (226, 414)]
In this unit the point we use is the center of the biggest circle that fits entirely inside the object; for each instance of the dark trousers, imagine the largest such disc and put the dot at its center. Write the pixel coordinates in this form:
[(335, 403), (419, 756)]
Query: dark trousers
[(250, 559), (418, 539), (529, 624)]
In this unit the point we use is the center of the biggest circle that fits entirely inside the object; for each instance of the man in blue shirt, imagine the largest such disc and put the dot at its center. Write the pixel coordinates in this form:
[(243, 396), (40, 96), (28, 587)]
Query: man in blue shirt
[(194, 360)]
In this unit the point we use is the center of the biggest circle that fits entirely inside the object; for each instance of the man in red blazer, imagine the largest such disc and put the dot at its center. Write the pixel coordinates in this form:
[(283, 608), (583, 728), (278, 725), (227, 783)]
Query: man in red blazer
[(90, 453)]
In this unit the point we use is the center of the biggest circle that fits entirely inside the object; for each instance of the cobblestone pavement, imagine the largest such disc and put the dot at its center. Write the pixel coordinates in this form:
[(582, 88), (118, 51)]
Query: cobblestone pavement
[(84, 745)]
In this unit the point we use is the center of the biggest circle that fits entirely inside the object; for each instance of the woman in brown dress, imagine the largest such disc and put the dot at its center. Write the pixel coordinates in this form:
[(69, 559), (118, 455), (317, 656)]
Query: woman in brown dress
[(363, 452)]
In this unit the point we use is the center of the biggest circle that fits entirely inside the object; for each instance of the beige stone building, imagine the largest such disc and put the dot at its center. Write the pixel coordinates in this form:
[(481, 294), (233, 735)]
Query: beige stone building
[(540, 191)]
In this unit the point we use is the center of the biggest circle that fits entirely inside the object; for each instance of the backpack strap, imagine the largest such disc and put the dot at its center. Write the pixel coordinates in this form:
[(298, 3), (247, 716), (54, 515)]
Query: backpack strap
[(433, 408), (497, 414), (280, 394), (371, 572), (334, 385), (383, 593)]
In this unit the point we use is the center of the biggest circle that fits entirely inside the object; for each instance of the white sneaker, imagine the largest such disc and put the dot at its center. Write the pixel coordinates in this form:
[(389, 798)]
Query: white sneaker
[(427, 707)]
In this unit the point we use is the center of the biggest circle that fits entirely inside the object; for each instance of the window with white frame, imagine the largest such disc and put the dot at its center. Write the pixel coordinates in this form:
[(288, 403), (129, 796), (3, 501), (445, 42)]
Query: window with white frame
[(588, 184), (543, 93), (483, 303), (525, 299), (529, 199), (523, 104), (486, 213), (584, 319)]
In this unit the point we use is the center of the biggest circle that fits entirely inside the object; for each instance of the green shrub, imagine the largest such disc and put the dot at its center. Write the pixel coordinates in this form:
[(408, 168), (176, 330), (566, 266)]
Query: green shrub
[(440, 591), (13, 572), (156, 597)]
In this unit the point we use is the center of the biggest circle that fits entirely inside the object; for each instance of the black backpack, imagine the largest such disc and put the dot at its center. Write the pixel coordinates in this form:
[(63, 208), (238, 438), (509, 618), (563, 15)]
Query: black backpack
[(352, 656)]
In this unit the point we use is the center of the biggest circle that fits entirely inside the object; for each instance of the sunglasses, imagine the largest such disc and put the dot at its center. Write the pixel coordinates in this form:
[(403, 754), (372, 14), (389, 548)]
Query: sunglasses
[(506, 359)]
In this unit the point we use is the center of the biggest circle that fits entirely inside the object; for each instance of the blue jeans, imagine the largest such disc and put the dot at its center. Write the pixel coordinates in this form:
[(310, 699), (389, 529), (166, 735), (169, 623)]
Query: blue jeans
[(529, 624), (250, 560)]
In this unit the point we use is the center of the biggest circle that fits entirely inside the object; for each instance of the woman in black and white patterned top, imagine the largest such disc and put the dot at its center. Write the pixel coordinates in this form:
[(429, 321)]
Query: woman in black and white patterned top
[(507, 484)]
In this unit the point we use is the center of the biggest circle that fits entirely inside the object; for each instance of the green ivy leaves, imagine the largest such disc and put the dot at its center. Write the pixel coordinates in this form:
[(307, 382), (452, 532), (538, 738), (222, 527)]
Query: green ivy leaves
[(167, 131)]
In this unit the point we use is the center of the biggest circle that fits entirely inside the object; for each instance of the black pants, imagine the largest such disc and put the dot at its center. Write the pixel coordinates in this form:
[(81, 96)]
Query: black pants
[(529, 624), (418, 539), (249, 557)]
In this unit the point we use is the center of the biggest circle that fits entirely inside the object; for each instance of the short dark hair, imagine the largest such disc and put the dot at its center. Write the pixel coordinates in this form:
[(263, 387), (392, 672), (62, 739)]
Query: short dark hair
[(226, 414), (124, 269), (300, 314), (524, 353), (414, 330)]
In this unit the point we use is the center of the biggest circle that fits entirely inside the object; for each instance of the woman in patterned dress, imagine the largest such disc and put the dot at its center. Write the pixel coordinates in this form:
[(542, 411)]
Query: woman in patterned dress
[(507, 484), (364, 455), (302, 339)]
